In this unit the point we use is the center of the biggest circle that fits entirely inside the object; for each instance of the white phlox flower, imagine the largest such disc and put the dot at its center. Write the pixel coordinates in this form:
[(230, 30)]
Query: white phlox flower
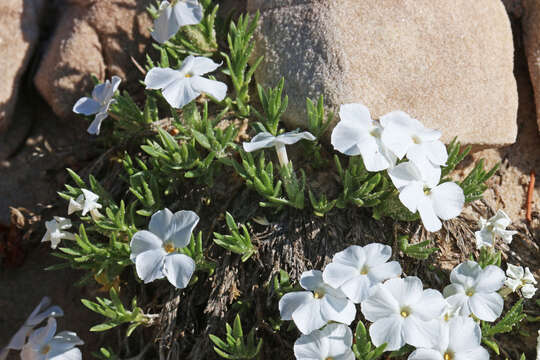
[(358, 269), (538, 346), (406, 136), (40, 313), (358, 134), (182, 86), (98, 104), (474, 290), (172, 16), (154, 251), (459, 339), (519, 279), (266, 140), (334, 342), (56, 231), (418, 191), (43, 344), (492, 228), (321, 303), (402, 312), (87, 203)]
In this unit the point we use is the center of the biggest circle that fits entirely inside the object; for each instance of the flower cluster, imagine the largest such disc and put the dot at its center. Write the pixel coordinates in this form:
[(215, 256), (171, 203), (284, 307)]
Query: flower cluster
[(155, 251), (493, 228), (42, 343), (400, 309), (396, 136), (522, 280)]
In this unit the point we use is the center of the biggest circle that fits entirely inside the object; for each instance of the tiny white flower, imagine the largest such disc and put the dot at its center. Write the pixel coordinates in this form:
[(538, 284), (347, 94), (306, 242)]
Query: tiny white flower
[(492, 228), (406, 136), (333, 342), (459, 339), (358, 269), (154, 252), (519, 279), (87, 203), (538, 346), (310, 310), (358, 134), (266, 140), (173, 16), (180, 87), (402, 312), (43, 344), (98, 104), (418, 191), (40, 313), (56, 231), (474, 290)]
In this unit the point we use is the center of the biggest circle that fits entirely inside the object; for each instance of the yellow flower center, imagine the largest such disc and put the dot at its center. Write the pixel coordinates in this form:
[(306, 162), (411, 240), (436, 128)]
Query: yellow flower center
[(448, 355), (416, 139), (405, 312), (376, 132), (44, 350), (364, 270), (469, 292), (188, 75), (446, 317), (329, 358), (318, 294), (169, 248)]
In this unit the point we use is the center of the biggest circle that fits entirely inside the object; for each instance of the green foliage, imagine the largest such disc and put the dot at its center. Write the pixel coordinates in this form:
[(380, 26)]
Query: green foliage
[(420, 251), (512, 318), (455, 156), (195, 250), (235, 346), (281, 283), (199, 39), (294, 187), (360, 187), (322, 205), (318, 123), (488, 256), (236, 242), (273, 105), (240, 41), (114, 310), (129, 120), (105, 354), (98, 259), (362, 346), (474, 184)]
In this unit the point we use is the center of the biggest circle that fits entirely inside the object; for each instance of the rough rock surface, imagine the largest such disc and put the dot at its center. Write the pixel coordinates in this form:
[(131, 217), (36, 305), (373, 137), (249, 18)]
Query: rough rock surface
[(449, 64), (19, 33), (93, 38), (531, 37)]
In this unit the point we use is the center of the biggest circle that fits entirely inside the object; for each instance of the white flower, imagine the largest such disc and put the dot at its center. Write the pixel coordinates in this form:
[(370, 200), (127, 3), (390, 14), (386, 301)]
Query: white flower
[(266, 140), (402, 312), (154, 251), (333, 342), (87, 203), (520, 279), (56, 231), (493, 227), (358, 134), (418, 190), (40, 313), (310, 310), (98, 104), (474, 290), (459, 339), (173, 16), (180, 87), (538, 346), (44, 345), (404, 135), (357, 269)]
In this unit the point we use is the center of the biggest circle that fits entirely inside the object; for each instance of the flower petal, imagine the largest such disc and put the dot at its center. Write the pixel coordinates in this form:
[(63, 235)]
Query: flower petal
[(448, 200), (346, 136), (491, 279), (214, 88), (404, 174), (411, 195), (384, 271), (143, 241), (355, 113), (166, 25), (337, 309), (388, 330), (73, 354), (86, 106), (311, 280), (357, 288), (201, 65), (419, 333), (180, 93), (436, 152), (478, 353), (465, 273), (95, 126), (44, 334), (406, 291), (63, 342), (308, 317), (308, 347), (260, 141), (484, 238), (464, 333), (427, 214), (336, 274), (487, 307), (377, 254), (160, 78), (430, 306), (292, 137), (397, 132), (179, 268), (188, 13), (380, 304), (425, 354), (374, 155), (181, 228), (149, 265), (292, 301)]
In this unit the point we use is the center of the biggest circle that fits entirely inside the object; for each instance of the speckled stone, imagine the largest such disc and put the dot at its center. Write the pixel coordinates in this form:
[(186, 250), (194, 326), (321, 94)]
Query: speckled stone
[(98, 38), (531, 36), (19, 32), (447, 63)]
